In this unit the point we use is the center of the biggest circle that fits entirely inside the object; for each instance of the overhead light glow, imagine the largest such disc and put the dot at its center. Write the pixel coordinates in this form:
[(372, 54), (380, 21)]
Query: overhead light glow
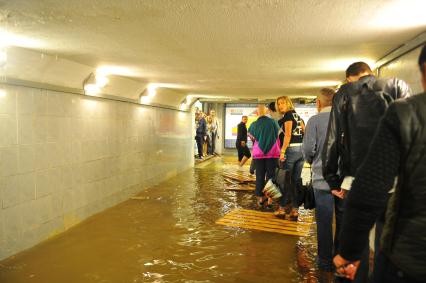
[(2, 93), (115, 70), (183, 106), (10, 39), (400, 14), (188, 100), (91, 89), (101, 81), (145, 99), (152, 90)]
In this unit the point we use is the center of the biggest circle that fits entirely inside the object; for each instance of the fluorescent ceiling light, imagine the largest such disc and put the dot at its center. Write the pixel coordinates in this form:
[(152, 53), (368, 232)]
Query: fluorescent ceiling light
[(183, 106), (10, 39), (2, 93), (101, 81), (152, 90), (91, 89), (145, 99)]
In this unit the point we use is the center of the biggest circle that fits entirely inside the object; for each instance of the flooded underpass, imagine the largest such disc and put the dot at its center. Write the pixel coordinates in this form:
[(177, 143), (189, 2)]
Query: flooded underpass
[(168, 234)]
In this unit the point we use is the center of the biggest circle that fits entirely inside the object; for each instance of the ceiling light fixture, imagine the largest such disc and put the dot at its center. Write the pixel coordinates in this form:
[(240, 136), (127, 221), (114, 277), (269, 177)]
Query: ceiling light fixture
[(2, 93), (144, 99), (101, 80), (93, 84), (152, 90), (10, 39), (183, 106), (148, 93)]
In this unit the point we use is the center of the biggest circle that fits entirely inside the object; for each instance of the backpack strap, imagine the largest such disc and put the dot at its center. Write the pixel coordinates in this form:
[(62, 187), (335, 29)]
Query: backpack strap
[(344, 139)]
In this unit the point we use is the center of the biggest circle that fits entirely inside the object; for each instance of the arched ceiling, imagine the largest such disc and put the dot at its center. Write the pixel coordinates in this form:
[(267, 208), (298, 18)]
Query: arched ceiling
[(234, 48)]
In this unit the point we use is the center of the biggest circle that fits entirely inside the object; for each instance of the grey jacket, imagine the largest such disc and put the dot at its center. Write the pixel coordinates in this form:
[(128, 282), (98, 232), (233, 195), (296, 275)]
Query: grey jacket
[(313, 143)]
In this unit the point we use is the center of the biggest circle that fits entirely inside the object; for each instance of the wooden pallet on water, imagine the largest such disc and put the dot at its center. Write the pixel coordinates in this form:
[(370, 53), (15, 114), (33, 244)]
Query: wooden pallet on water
[(240, 177), (264, 221)]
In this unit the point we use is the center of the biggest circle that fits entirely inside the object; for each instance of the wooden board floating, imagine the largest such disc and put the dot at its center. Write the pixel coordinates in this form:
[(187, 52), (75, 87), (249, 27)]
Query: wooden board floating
[(240, 177), (264, 221), (139, 198), (241, 187)]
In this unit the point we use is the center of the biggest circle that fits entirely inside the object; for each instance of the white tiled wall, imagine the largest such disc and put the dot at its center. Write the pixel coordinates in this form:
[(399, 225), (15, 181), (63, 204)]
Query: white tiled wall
[(64, 157)]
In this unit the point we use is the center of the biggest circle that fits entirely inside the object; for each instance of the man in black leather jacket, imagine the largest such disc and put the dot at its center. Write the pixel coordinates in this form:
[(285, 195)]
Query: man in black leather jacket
[(335, 169), (398, 148), (339, 163)]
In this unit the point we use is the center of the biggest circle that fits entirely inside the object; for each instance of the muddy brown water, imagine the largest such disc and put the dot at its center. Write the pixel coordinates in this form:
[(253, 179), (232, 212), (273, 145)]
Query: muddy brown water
[(169, 235)]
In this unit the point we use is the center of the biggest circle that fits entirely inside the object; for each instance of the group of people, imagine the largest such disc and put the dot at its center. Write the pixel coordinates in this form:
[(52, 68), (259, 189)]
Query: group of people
[(277, 137), (367, 150), (206, 133)]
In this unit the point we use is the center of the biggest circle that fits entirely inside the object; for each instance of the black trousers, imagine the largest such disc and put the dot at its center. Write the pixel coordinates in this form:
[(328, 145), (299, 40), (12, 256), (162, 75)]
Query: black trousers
[(199, 140), (213, 143), (265, 170), (242, 151)]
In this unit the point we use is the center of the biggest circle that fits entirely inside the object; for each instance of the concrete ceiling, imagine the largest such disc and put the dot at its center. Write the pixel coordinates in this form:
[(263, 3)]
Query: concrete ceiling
[(237, 48)]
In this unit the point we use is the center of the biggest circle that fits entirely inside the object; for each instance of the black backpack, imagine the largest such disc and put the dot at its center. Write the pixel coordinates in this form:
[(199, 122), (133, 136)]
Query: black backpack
[(362, 110)]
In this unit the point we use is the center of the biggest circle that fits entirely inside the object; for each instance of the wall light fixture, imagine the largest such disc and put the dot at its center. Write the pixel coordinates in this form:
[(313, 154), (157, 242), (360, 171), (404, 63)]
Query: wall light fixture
[(93, 84)]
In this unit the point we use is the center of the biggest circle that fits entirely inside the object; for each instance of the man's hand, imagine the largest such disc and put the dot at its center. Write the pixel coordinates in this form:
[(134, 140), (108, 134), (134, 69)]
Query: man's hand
[(345, 268), (339, 193), (205, 138), (282, 156), (243, 143)]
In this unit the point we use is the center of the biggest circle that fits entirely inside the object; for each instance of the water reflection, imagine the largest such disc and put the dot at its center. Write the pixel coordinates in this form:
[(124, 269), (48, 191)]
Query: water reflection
[(168, 234)]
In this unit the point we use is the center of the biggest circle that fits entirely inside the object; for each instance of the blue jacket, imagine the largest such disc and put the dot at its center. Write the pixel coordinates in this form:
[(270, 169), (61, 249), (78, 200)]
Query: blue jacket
[(201, 127)]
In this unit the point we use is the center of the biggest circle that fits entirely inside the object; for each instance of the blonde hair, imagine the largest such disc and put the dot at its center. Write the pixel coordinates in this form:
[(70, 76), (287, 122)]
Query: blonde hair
[(287, 101)]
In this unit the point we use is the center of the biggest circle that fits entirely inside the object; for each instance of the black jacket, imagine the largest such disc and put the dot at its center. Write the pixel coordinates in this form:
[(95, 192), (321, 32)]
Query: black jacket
[(404, 238), (241, 133), (398, 149), (335, 155)]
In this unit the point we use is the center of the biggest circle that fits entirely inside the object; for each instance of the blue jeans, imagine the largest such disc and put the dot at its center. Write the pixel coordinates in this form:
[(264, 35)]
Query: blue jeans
[(294, 163), (325, 204)]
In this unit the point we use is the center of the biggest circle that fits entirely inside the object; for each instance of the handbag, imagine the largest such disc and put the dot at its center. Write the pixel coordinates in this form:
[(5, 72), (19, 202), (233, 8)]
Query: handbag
[(271, 190), (282, 176)]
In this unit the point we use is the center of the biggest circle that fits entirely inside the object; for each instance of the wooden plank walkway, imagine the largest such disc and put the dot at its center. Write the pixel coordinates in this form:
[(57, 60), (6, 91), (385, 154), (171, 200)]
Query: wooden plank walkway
[(241, 177), (264, 221)]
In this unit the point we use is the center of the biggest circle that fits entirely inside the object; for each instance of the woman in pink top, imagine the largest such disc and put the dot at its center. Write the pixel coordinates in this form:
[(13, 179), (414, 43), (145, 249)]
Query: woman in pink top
[(266, 149)]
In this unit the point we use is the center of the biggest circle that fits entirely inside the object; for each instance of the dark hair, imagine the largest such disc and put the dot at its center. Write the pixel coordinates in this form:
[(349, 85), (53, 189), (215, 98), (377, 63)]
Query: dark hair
[(271, 107), (422, 60), (357, 68)]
